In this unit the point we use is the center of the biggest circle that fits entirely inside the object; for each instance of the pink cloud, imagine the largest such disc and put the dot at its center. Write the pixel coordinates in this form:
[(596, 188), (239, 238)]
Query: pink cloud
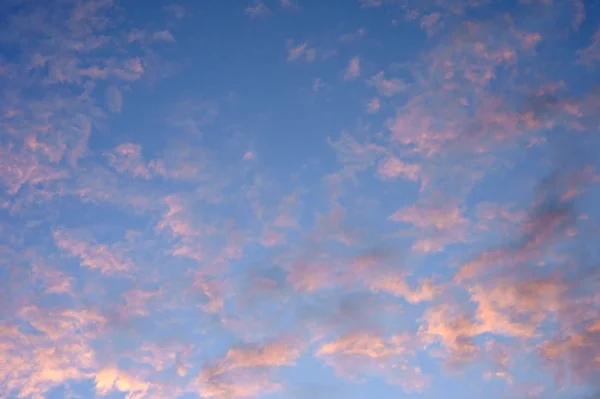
[(286, 217), (318, 85), (387, 87), (243, 370), (213, 290), (178, 11), (353, 69), (391, 168), (370, 3), (454, 329), (94, 256), (176, 218), (350, 37), (259, 9), (289, 5), (301, 51), (21, 168), (59, 353), (590, 55), (128, 158), (114, 99), (130, 70), (54, 280), (273, 354), (434, 228), (431, 23), (271, 238), (579, 16), (163, 35), (440, 218), (242, 386), (374, 105), (367, 352), (397, 286), (113, 379)]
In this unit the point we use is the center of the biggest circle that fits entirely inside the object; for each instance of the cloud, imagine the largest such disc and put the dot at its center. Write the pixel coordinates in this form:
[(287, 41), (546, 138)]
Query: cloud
[(301, 51), (114, 99), (289, 5), (434, 227), (127, 158), (431, 23), (392, 167), (367, 353), (273, 354), (370, 3), (350, 37), (416, 245), (387, 87), (163, 35), (374, 105), (145, 36), (21, 169), (354, 155), (238, 387), (94, 256), (451, 326), (176, 218), (178, 11), (110, 379), (194, 116), (58, 353), (53, 280), (272, 238), (259, 9), (318, 85), (286, 217), (396, 286), (242, 372), (353, 69), (590, 55), (128, 70)]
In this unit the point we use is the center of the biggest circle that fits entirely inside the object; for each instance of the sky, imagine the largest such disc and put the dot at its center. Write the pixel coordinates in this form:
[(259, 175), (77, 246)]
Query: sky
[(301, 199)]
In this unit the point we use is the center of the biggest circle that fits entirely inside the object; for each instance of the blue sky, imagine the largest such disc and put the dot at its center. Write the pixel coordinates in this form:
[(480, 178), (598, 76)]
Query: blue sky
[(299, 199)]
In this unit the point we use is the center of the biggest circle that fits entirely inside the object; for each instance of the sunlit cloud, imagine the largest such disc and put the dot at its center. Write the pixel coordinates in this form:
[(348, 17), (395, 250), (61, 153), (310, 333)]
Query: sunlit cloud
[(283, 198)]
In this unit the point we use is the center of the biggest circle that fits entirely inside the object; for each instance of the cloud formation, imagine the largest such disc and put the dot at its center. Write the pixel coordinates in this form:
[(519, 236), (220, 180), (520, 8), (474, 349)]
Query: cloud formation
[(292, 199)]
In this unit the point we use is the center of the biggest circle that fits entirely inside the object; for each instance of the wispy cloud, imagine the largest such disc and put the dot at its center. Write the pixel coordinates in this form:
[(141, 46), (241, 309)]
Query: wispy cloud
[(373, 105), (258, 9), (289, 5), (186, 212), (114, 99), (301, 51), (353, 69), (387, 87), (370, 3)]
